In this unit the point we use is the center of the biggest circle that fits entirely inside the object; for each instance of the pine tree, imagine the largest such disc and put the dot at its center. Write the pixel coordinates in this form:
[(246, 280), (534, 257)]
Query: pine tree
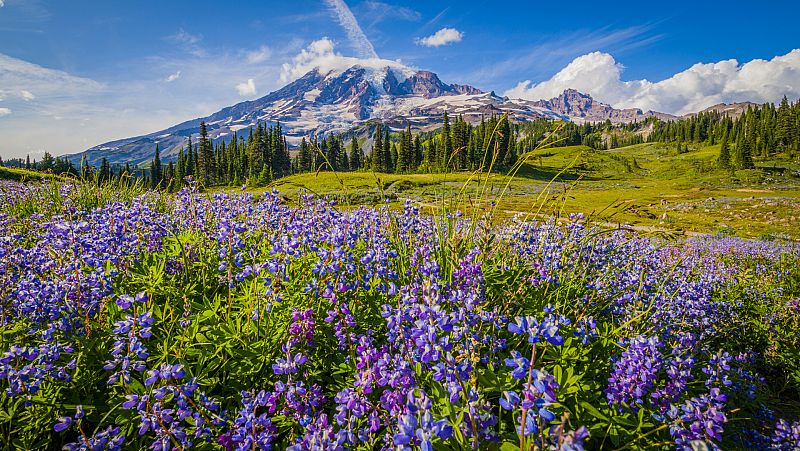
[(724, 160), (180, 168), (155, 170), (355, 155), (388, 161), (746, 154), (205, 158), (417, 153), (785, 127), (264, 176), (393, 158), (447, 142), (191, 159), (376, 156), (105, 170), (304, 158), (404, 152)]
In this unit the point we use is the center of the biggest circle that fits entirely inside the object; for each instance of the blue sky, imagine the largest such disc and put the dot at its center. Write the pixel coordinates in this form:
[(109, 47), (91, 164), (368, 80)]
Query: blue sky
[(82, 72)]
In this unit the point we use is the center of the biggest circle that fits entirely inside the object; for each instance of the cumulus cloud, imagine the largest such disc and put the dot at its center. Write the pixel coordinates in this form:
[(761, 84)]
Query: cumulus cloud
[(354, 32), (258, 55), (26, 95), (247, 88), (4, 111), (442, 37), (173, 77), (696, 88), (320, 54)]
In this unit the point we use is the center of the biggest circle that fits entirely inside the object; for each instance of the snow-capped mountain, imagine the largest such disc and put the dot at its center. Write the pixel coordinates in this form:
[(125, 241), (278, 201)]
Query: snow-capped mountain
[(336, 101)]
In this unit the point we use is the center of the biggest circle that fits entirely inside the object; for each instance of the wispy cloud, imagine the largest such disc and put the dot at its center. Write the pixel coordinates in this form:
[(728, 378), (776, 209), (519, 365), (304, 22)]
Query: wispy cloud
[(173, 77), (4, 111), (2, 3), (347, 20), (442, 37), (549, 55), (258, 55), (247, 88), (377, 12), (188, 41), (26, 95)]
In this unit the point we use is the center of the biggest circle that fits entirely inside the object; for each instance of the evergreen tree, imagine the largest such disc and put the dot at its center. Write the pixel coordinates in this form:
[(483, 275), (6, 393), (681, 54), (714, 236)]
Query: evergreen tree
[(356, 155), (447, 142), (724, 160), (388, 161), (405, 152), (746, 154), (155, 170), (180, 169), (393, 158), (264, 177), (304, 157), (376, 156), (417, 153), (105, 170), (205, 158)]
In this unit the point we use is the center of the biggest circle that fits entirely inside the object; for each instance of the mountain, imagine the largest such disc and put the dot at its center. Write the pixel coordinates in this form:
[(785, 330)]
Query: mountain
[(583, 108), (336, 101)]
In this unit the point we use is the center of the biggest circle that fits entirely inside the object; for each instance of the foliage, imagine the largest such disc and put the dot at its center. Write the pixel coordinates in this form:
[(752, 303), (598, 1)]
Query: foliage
[(228, 322)]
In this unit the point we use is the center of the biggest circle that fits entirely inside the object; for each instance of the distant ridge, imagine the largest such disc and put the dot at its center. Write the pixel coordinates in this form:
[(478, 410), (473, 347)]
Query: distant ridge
[(733, 110), (339, 100)]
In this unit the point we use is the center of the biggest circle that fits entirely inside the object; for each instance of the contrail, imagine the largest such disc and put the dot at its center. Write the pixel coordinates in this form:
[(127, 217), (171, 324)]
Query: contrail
[(354, 32)]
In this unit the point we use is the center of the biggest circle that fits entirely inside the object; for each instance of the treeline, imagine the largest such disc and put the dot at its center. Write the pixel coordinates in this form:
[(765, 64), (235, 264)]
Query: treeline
[(258, 159), (48, 164), (763, 132), (759, 132), (495, 143), (264, 155)]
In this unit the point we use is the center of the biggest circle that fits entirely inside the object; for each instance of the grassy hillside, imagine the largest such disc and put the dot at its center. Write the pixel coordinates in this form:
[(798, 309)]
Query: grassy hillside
[(651, 187), (23, 174)]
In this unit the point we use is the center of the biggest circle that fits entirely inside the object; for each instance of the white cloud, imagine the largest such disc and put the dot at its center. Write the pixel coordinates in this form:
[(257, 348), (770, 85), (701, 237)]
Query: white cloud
[(442, 37), (22, 77), (2, 3), (696, 88), (4, 111), (173, 77), (258, 55), (247, 88), (320, 54), (356, 35)]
